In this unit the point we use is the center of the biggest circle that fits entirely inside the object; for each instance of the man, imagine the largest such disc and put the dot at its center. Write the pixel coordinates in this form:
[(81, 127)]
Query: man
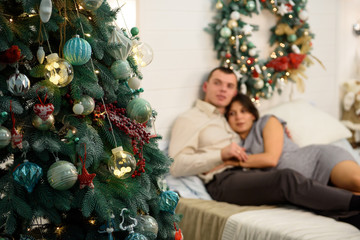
[(202, 143)]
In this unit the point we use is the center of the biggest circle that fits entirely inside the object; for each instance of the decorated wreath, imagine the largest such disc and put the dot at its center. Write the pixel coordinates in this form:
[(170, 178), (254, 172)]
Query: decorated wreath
[(291, 37)]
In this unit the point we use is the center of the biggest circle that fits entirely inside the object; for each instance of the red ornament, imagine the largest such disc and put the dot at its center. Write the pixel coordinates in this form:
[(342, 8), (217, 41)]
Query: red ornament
[(279, 64), (263, 0), (295, 59), (270, 81), (85, 178), (255, 74), (43, 110), (289, 7), (228, 55), (178, 234), (250, 60), (11, 55)]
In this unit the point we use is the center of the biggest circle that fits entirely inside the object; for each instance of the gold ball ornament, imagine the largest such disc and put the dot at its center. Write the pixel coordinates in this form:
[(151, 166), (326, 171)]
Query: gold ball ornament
[(243, 69), (243, 48), (219, 5), (232, 40), (232, 24), (121, 164), (42, 125)]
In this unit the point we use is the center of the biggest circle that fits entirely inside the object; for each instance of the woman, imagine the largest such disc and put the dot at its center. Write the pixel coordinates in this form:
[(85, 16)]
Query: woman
[(267, 146)]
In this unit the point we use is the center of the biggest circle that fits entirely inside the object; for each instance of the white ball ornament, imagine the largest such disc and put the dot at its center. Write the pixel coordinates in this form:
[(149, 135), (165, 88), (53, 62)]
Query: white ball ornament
[(259, 84), (295, 49), (134, 83), (78, 109), (252, 52), (303, 15), (45, 10), (235, 15)]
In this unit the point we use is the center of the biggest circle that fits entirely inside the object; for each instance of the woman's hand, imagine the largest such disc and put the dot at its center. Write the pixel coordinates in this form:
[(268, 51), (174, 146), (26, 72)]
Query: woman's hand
[(232, 152)]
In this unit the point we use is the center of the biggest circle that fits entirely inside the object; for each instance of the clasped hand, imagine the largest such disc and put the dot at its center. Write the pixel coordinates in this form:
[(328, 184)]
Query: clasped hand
[(233, 155)]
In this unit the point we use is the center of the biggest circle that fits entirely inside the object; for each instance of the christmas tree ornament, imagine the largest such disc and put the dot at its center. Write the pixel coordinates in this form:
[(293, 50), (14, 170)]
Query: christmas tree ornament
[(67, 133), (16, 136), (84, 106), (58, 70), (45, 10), (250, 5), (243, 88), (40, 54), (247, 29), (62, 175), (259, 83), (90, 5), (295, 49), (232, 24), (142, 53), (123, 51), (235, 15), (27, 175), (178, 234), (252, 52), (139, 110), (121, 69), (18, 84), (219, 5), (303, 15), (147, 224), (43, 110), (134, 83), (121, 164), (77, 51), (5, 137), (11, 55), (42, 125), (132, 235), (168, 201), (134, 31), (109, 227), (225, 32), (243, 48), (291, 37), (85, 178)]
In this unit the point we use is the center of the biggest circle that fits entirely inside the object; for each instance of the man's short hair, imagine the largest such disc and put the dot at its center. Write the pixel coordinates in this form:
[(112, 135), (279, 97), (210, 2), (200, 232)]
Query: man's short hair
[(222, 69)]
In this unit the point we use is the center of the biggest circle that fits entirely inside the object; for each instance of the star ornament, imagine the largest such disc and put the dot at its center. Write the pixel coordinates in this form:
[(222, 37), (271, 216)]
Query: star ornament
[(283, 9), (86, 179), (247, 29)]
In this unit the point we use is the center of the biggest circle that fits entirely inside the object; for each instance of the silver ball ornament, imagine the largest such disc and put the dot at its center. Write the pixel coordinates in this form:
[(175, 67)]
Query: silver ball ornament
[(5, 137), (62, 175), (40, 124), (147, 224), (18, 84), (259, 84), (235, 15)]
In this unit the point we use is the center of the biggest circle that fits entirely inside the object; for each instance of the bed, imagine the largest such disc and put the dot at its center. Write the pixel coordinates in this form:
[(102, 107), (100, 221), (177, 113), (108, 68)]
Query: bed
[(204, 218)]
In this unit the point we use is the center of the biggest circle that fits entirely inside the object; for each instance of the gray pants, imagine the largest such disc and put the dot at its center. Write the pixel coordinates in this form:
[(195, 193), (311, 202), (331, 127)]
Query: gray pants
[(257, 187)]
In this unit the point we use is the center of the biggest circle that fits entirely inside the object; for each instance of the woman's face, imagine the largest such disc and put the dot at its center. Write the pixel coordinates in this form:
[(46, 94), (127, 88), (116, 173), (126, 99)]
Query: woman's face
[(240, 119)]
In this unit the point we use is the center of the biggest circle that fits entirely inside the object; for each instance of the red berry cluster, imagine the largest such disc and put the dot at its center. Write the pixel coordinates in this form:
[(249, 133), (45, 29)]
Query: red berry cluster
[(134, 130)]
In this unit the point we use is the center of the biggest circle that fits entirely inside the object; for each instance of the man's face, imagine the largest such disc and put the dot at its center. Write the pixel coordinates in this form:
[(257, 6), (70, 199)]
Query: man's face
[(220, 89)]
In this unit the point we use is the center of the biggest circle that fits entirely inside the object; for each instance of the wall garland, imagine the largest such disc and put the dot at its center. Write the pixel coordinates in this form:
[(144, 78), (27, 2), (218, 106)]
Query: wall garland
[(291, 38)]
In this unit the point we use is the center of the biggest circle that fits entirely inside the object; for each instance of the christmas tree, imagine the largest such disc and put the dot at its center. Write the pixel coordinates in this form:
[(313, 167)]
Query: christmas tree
[(78, 159)]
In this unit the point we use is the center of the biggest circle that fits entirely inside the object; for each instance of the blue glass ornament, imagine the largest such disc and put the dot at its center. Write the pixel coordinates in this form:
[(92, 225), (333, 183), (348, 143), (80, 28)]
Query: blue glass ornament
[(136, 236), (28, 174), (169, 201), (77, 51)]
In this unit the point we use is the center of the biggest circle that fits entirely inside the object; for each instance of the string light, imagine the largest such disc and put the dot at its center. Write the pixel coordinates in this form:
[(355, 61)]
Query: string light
[(269, 74), (252, 68), (90, 18), (227, 61), (290, 16), (273, 55), (11, 20), (282, 45), (92, 221), (87, 34), (287, 74), (80, 7), (280, 53), (264, 68), (97, 71), (274, 9)]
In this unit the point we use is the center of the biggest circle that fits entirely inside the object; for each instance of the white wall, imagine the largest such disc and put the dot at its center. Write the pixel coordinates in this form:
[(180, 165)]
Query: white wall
[(184, 54)]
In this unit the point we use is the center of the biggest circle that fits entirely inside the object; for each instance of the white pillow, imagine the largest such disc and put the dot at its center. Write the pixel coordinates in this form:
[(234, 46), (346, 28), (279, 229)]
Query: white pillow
[(309, 125)]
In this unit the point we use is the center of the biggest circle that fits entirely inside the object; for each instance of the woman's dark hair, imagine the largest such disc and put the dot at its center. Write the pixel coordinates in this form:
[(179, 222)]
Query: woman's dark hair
[(247, 104)]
